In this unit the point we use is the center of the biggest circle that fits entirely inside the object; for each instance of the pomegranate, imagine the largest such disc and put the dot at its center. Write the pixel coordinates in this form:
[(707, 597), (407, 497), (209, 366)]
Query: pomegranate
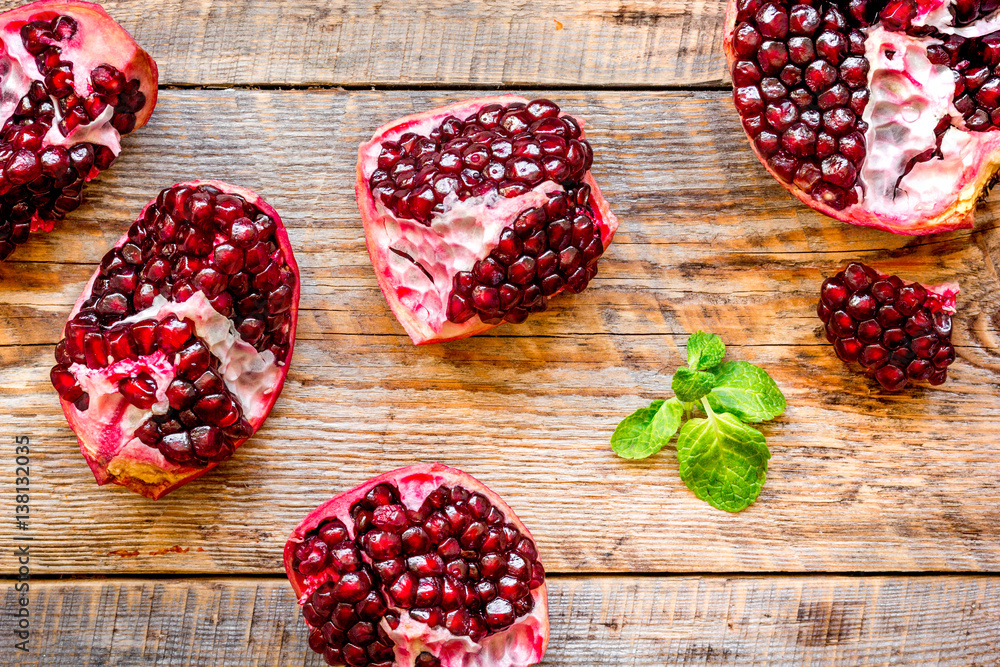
[(420, 566), (74, 82), (897, 331), (479, 212), (179, 345), (878, 113)]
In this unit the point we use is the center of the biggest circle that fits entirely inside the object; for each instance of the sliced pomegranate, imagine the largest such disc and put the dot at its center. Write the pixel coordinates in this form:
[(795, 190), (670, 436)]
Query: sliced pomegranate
[(899, 332), (878, 113), (179, 345), (479, 212), (74, 82), (420, 566)]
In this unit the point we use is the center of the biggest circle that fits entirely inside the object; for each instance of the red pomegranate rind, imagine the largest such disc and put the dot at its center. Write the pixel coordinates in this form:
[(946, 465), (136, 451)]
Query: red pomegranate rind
[(413, 642), (898, 331), (75, 81), (108, 438), (418, 293), (896, 101)]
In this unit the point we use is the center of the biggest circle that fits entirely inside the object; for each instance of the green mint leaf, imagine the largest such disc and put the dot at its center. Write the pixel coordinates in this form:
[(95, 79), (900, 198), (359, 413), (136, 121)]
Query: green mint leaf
[(631, 439), (666, 422), (746, 391), (704, 350), (690, 385), (722, 460)]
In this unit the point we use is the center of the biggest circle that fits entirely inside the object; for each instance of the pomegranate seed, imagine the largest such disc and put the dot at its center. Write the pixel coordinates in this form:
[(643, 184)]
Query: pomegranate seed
[(172, 333), (140, 390)]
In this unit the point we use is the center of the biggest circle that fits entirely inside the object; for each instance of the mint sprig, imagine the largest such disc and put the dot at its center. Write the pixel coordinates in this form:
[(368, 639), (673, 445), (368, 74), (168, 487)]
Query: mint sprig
[(722, 459)]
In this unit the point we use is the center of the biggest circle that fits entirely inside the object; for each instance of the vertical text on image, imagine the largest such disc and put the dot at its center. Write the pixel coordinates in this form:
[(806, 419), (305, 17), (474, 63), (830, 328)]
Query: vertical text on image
[(22, 493)]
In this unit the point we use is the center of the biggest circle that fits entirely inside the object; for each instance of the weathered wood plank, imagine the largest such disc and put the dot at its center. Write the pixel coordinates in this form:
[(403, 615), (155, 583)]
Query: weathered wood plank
[(859, 480), (612, 622), (630, 43)]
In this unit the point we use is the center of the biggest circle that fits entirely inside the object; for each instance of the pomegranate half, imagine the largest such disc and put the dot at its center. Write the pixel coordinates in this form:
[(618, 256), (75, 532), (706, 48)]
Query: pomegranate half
[(180, 343), (876, 113), (479, 212), (74, 82), (422, 566)]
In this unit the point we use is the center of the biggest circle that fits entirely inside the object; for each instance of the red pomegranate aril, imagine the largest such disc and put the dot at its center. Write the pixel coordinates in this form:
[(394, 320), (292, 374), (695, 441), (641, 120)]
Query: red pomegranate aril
[(891, 377), (848, 349), (801, 50), (772, 56), (746, 72), (873, 356), (803, 20), (140, 391), (172, 333), (891, 342), (910, 298)]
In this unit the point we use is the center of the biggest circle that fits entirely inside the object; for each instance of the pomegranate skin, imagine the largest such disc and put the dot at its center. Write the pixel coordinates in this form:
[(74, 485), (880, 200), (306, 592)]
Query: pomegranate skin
[(520, 645), (423, 323), (99, 40), (931, 215), (107, 448)]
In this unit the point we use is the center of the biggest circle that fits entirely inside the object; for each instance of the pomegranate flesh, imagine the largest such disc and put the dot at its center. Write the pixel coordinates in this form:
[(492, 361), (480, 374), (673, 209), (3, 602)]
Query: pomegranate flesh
[(899, 332), (479, 212), (74, 82), (422, 566), (180, 343), (878, 113)]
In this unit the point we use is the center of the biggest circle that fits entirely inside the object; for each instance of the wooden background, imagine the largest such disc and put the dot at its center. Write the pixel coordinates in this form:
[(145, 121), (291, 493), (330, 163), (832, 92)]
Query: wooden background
[(874, 540)]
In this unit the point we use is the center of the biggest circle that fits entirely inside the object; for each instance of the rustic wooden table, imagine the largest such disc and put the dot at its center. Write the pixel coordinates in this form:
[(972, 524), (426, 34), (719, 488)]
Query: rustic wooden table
[(874, 540)]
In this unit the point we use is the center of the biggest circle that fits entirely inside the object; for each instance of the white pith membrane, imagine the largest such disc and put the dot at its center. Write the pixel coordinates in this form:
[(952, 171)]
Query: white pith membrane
[(520, 645), (249, 375), (909, 96), (455, 240)]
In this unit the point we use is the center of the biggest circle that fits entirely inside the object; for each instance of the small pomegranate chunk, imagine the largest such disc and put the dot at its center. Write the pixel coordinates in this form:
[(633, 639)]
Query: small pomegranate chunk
[(898, 332), (421, 566), (479, 213), (178, 347), (877, 113), (74, 83)]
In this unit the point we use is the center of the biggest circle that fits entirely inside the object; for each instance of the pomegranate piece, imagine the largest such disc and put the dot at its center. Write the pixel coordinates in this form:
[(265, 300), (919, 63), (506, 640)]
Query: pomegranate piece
[(420, 566), (179, 345), (884, 114), (479, 212), (898, 332), (74, 83)]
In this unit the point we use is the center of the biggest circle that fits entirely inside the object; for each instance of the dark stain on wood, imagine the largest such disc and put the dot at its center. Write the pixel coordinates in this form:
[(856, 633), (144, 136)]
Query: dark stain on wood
[(637, 17), (826, 622)]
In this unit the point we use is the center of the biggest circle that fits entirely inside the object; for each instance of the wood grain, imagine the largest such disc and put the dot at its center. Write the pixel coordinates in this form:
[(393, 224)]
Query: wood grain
[(625, 43), (859, 479), (606, 621)]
